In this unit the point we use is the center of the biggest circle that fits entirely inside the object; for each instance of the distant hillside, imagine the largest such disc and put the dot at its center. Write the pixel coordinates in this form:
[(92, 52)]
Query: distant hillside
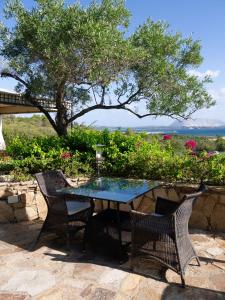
[(35, 126), (199, 123)]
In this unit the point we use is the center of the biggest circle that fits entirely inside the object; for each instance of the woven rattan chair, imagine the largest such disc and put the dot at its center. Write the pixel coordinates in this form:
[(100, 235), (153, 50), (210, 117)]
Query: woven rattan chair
[(164, 235), (65, 213)]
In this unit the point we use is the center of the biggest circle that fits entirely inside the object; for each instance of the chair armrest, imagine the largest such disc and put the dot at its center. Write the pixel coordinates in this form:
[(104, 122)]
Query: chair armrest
[(152, 222), (56, 203), (165, 206), (76, 198)]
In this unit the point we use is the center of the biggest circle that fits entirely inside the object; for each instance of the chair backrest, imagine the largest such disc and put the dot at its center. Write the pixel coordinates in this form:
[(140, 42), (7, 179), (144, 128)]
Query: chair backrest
[(50, 181), (184, 209)]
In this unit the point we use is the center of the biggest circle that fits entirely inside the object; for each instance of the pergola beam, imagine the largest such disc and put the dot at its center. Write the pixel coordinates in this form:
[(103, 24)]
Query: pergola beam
[(15, 99), (14, 109)]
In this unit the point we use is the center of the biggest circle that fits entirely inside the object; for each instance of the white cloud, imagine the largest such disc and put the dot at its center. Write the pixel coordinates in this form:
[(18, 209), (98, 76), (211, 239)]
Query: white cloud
[(201, 75), (222, 92), (218, 95)]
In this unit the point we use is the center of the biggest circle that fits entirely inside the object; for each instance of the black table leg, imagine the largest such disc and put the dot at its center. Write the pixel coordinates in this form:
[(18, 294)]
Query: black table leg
[(119, 230), (132, 205), (107, 227)]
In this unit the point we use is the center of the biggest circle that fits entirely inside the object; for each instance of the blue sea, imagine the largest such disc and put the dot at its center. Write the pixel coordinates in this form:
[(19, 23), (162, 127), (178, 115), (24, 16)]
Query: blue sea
[(217, 131), (195, 131)]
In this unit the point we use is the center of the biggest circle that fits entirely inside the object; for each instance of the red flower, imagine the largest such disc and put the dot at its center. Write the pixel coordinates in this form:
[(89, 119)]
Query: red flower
[(167, 137), (191, 145), (65, 155), (193, 153)]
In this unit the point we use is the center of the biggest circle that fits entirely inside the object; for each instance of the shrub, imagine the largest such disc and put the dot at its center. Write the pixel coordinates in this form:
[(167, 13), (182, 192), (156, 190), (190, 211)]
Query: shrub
[(205, 144), (126, 155), (220, 144)]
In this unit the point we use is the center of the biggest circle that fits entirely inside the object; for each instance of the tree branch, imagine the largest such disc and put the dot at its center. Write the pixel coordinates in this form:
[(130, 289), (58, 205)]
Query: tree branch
[(103, 96), (94, 95), (130, 99), (120, 95), (121, 106), (171, 115), (101, 106), (14, 76), (33, 101)]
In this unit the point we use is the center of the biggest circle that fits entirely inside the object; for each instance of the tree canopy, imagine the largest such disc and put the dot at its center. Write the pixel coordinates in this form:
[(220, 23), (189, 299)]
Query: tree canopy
[(85, 56)]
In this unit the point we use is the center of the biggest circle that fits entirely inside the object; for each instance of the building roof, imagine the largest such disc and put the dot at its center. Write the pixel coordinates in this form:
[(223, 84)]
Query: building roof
[(15, 103)]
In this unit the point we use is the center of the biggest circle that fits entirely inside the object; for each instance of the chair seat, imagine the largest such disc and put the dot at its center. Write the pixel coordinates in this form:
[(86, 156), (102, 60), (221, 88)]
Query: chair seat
[(74, 207), (157, 215)]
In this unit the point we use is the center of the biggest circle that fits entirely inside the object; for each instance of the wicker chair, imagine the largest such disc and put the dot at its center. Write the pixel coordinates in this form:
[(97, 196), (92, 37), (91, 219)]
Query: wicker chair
[(65, 213), (164, 235)]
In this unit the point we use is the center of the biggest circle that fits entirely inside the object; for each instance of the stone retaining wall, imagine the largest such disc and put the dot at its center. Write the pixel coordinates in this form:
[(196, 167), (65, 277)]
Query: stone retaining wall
[(30, 205), (208, 213)]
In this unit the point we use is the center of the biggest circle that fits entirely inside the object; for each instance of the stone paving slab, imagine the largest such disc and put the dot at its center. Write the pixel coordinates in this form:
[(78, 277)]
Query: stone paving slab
[(14, 296), (50, 273)]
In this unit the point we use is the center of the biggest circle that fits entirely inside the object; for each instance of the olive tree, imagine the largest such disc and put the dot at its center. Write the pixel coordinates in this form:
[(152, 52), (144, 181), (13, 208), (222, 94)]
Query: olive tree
[(84, 56)]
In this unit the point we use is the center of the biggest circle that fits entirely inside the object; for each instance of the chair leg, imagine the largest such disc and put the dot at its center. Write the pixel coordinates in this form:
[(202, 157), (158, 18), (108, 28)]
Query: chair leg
[(67, 238), (196, 256), (132, 255), (84, 238), (182, 281), (131, 262), (198, 261)]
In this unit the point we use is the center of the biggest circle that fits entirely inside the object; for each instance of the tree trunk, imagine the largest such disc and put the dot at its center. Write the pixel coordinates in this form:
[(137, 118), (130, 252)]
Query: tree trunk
[(61, 115), (61, 121), (61, 129)]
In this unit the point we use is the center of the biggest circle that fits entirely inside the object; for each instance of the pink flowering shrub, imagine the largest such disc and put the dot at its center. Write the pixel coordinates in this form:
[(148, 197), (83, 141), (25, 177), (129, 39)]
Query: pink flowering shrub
[(190, 145), (167, 137)]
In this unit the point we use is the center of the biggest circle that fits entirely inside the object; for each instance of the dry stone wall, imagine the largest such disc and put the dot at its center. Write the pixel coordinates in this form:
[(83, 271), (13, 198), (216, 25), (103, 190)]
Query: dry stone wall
[(208, 212), (28, 203)]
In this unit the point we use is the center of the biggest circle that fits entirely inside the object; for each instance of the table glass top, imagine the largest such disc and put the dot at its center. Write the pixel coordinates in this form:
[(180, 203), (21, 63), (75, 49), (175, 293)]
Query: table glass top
[(112, 189)]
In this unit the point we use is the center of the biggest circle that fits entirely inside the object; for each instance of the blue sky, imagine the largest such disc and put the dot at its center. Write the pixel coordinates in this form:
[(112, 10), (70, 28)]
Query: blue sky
[(203, 19)]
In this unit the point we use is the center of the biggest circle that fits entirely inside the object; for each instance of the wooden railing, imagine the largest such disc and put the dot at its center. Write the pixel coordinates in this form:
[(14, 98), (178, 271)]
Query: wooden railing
[(18, 99)]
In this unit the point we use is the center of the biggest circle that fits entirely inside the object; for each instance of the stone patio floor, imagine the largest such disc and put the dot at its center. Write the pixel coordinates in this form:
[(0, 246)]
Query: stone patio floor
[(52, 273)]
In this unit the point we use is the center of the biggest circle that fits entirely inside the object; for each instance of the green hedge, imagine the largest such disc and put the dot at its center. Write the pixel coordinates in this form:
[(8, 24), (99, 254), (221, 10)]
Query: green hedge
[(126, 155)]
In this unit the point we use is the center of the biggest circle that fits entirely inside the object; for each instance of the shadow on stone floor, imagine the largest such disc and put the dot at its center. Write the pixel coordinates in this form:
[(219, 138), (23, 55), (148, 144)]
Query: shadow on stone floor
[(21, 236), (208, 260), (154, 271), (174, 291), (24, 235)]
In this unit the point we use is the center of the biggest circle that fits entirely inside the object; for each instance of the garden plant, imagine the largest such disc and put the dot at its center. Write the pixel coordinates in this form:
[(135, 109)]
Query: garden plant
[(167, 158)]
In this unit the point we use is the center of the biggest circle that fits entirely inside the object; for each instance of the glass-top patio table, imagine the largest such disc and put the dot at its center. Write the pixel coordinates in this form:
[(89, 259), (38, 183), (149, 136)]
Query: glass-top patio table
[(117, 190)]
